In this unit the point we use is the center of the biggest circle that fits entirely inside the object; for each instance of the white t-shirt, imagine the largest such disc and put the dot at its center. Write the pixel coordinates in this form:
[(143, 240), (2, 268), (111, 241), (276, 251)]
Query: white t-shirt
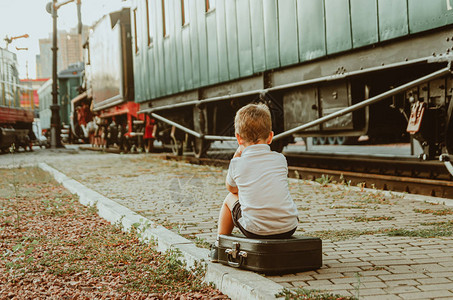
[(261, 176)]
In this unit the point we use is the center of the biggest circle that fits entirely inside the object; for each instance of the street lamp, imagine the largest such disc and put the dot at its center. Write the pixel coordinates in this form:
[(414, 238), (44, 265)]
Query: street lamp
[(11, 39), (55, 123)]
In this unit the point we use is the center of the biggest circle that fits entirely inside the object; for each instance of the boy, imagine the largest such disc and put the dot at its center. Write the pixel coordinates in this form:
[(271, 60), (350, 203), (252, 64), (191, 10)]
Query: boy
[(259, 203)]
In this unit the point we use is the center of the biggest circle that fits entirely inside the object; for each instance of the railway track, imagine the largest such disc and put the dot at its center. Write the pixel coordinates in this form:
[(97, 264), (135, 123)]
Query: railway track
[(402, 174), (392, 173)]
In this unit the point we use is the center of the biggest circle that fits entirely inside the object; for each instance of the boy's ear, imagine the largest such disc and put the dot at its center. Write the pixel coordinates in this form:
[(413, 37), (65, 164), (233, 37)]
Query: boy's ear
[(240, 140), (269, 139)]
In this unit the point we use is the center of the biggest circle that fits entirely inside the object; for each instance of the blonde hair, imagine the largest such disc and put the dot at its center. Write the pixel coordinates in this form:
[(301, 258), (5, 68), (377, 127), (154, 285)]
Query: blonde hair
[(253, 122)]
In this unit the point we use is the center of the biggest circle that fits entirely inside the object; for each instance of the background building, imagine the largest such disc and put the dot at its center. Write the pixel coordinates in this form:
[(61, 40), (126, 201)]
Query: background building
[(69, 52)]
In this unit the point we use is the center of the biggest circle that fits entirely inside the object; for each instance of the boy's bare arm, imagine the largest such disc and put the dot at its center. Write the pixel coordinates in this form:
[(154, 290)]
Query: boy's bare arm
[(238, 153), (231, 189)]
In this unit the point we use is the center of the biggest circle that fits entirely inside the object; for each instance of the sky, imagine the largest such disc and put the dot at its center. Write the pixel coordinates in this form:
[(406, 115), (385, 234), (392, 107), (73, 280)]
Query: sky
[(18, 17)]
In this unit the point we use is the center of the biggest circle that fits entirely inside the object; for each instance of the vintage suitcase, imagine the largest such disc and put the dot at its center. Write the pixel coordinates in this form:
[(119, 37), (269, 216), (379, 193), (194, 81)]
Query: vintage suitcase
[(271, 256)]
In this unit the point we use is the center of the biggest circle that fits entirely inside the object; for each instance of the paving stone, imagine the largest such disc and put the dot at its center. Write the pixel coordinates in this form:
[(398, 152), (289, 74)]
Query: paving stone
[(381, 297), (391, 262), (323, 282), (374, 272), (433, 268), (434, 280), (287, 284), (426, 295), (355, 279), (373, 284), (372, 292), (330, 276), (342, 270), (402, 276), (402, 282), (434, 287), (330, 287), (347, 260), (351, 264), (400, 269), (401, 289), (340, 292), (448, 264)]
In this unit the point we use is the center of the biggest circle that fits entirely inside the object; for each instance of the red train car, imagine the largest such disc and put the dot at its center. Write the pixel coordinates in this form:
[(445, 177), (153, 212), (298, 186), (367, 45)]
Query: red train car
[(15, 122)]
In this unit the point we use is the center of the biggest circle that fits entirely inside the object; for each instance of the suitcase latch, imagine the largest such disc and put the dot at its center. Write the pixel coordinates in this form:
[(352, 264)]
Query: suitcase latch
[(234, 251)]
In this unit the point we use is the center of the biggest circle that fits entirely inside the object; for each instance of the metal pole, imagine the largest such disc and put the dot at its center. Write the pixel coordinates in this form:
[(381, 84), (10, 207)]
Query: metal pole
[(55, 123), (185, 129)]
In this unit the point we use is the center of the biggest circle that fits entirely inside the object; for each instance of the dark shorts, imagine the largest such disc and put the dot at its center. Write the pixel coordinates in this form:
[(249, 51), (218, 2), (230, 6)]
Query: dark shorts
[(236, 214)]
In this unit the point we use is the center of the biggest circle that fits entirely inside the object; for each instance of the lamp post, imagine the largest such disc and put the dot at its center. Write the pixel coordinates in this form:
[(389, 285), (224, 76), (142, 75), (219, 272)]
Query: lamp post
[(55, 122), (11, 39)]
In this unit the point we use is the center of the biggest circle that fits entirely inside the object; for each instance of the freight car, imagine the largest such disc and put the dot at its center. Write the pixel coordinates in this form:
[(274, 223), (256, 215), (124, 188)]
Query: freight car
[(15, 122), (110, 85), (325, 68), (69, 83)]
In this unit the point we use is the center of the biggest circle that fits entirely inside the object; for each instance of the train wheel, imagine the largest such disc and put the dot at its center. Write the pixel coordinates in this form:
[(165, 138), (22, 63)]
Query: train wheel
[(341, 140), (278, 145), (177, 146), (332, 140), (148, 145), (125, 146), (200, 147), (322, 140)]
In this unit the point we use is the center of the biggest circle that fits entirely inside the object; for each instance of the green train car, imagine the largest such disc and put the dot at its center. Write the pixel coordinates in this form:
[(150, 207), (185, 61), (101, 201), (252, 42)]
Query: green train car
[(69, 82), (325, 68)]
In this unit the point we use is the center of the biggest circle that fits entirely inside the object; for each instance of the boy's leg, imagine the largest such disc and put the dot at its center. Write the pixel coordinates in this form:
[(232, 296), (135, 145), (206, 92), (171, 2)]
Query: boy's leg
[(225, 223)]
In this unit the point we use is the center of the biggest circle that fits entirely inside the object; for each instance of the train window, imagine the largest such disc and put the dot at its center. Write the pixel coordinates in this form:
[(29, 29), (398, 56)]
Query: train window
[(136, 42), (150, 38), (185, 12), (210, 5)]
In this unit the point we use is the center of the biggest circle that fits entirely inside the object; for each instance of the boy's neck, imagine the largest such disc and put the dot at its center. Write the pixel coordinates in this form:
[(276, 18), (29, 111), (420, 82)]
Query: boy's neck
[(245, 144)]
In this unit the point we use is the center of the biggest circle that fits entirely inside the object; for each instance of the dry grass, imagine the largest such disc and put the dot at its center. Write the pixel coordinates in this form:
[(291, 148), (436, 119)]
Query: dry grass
[(53, 247)]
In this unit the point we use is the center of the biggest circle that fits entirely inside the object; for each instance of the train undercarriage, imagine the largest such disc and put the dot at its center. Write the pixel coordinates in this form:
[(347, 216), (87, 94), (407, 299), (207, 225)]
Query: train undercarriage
[(120, 126), (425, 105), (16, 129)]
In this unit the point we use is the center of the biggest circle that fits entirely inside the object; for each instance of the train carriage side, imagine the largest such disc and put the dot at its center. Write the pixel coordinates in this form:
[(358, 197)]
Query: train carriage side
[(45, 101), (197, 62), (111, 82), (69, 82)]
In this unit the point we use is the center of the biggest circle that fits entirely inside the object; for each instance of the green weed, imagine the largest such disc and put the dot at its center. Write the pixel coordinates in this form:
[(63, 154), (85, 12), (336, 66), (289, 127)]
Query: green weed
[(310, 294)]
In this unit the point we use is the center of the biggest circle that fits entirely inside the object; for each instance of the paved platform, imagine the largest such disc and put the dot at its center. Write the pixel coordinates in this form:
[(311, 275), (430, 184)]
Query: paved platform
[(361, 257)]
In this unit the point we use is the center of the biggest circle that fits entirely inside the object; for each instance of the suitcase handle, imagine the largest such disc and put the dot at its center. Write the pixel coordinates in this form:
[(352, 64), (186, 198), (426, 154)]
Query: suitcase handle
[(242, 256)]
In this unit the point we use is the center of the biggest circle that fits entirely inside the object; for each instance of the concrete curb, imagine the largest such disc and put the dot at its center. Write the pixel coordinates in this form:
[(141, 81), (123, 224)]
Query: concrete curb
[(237, 284)]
